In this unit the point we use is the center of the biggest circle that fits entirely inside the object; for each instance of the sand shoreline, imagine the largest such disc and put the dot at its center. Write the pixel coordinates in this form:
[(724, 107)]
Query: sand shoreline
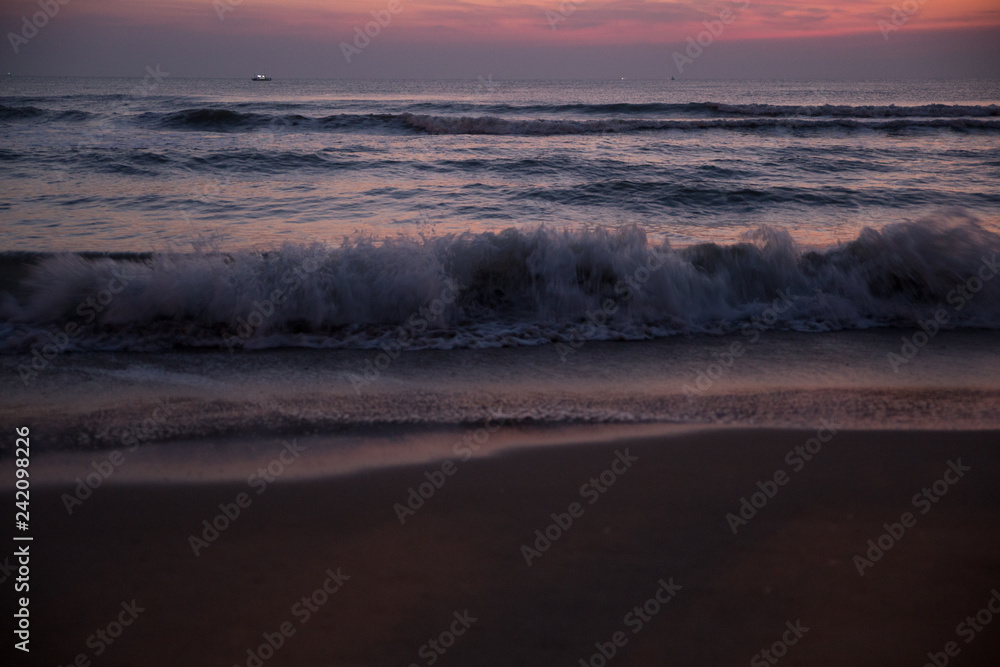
[(662, 521), (101, 401)]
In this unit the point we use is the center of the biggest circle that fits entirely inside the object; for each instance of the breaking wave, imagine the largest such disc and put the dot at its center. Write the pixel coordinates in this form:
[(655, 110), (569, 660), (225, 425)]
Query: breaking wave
[(515, 287)]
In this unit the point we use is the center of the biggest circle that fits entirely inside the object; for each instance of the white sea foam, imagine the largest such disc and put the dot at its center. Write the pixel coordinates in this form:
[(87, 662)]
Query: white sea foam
[(514, 287)]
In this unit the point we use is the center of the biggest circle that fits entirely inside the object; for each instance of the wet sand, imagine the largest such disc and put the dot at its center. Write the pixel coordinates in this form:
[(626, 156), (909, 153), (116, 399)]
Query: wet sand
[(663, 518), (97, 400)]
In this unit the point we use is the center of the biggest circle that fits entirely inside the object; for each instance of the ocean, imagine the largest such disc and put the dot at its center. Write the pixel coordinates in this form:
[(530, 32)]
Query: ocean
[(356, 214), (512, 357)]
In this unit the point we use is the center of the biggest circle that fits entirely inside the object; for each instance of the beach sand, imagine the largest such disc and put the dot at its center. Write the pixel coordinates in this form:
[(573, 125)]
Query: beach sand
[(663, 518), (543, 427), (502, 376)]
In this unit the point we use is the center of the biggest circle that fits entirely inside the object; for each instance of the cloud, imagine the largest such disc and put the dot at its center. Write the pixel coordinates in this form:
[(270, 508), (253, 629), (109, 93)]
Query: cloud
[(431, 38)]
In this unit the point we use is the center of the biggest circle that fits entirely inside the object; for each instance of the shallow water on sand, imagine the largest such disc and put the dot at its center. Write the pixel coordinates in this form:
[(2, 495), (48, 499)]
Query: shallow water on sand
[(208, 414)]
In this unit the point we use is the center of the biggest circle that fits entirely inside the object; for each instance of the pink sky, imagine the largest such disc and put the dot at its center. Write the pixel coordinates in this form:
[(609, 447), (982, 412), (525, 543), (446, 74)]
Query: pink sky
[(435, 37), (586, 21)]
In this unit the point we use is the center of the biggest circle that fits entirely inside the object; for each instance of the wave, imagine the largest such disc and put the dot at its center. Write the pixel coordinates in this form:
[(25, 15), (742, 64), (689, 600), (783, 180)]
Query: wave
[(225, 120), (862, 111), (516, 287), (501, 126), (20, 112), (142, 162), (708, 109), (682, 193), (31, 112), (718, 109), (498, 120)]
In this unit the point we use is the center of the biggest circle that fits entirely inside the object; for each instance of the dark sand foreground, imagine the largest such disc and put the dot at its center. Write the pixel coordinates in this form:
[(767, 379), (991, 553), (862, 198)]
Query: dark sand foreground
[(664, 518)]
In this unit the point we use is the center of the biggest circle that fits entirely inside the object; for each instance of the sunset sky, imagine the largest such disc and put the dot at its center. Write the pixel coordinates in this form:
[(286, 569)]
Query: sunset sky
[(516, 39)]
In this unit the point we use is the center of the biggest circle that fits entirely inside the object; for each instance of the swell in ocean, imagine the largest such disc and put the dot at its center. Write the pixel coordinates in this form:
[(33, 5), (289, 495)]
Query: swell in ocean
[(516, 287), (508, 119)]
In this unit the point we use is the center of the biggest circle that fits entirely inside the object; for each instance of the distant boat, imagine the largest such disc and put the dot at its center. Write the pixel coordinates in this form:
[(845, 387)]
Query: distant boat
[(260, 77)]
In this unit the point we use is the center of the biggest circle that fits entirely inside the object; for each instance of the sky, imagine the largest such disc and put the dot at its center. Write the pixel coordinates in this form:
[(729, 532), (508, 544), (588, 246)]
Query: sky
[(535, 39)]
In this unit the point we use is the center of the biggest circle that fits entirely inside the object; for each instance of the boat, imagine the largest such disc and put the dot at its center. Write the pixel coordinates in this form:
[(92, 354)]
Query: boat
[(260, 77)]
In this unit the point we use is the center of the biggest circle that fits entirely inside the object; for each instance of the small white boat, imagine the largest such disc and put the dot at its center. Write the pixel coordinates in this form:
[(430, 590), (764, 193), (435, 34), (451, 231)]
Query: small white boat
[(260, 77)]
